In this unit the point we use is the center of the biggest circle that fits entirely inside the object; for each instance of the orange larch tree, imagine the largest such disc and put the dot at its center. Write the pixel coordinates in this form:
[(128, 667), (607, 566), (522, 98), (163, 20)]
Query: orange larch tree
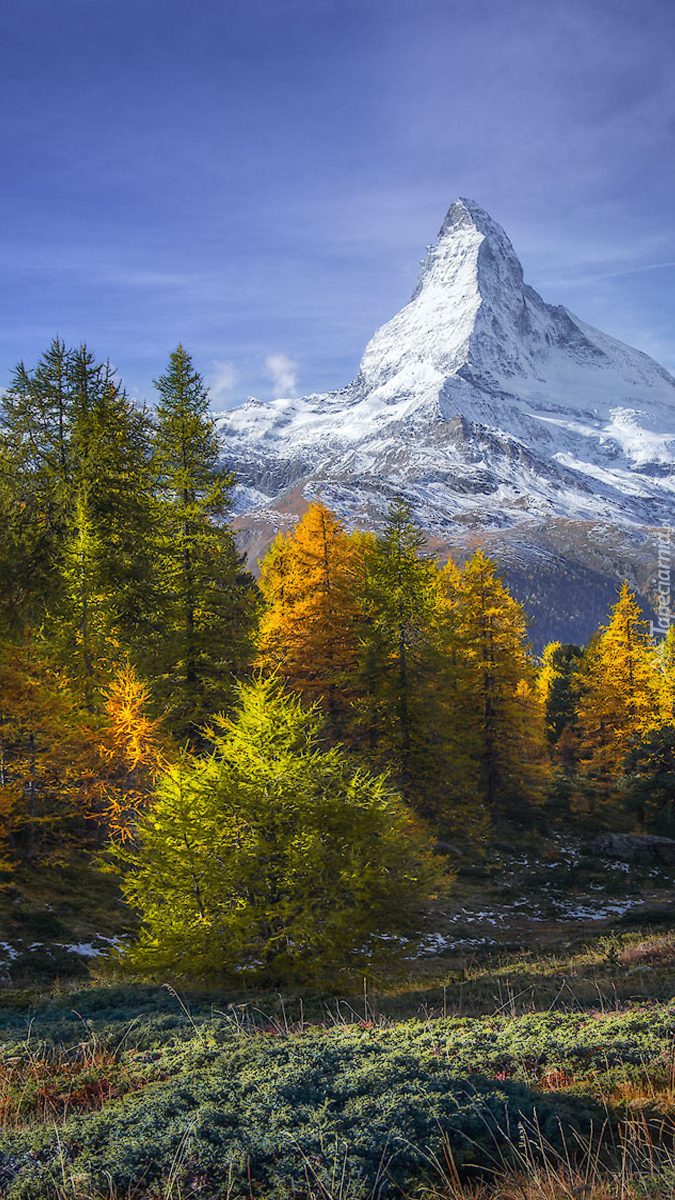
[(309, 631)]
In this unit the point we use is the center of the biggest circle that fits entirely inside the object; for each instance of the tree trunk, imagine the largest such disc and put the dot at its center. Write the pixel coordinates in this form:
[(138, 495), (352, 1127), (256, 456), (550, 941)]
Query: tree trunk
[(86, 637), (30, 844), (190, 660)]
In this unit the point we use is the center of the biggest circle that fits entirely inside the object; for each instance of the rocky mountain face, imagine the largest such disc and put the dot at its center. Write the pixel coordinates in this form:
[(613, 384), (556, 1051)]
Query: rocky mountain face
[(503, 420)]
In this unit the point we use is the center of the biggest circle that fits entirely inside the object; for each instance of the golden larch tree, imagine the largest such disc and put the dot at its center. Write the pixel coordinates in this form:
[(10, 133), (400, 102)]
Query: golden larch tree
[(619, 695), (133, 748), (309, 629), (496, 715)]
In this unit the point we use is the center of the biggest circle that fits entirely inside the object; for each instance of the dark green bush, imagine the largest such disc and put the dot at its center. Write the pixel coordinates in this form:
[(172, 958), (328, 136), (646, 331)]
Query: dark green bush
[(651, 918), (277, 1111), (46, 963), (38, 924)]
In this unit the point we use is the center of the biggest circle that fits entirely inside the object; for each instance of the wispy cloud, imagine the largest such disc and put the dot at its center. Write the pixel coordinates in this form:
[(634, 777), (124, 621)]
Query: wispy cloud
[(581, 280), (283, 372), (221, 379)]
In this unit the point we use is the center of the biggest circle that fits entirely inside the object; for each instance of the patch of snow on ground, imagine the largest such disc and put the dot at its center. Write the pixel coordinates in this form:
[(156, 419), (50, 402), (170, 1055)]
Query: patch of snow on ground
[(89, 950), (92, 949)]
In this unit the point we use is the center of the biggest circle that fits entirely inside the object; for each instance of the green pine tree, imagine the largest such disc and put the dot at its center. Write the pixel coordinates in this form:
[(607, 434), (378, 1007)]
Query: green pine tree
[(399, 606), (107, 554), (78, 500), (34, 469), (209, 603), (649, 779), (558, 683)]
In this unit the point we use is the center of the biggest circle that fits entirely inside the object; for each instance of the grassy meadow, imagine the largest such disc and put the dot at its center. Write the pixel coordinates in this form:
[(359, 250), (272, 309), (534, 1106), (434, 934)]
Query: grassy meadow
[(537, 1062)]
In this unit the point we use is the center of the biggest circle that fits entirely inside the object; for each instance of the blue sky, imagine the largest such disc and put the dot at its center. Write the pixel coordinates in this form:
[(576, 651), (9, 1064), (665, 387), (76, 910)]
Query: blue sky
[(260, 179)]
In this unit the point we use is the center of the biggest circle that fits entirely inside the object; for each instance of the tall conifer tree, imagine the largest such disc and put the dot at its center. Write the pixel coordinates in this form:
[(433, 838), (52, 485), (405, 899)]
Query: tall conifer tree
[(499, 718), (557, 686), (34, 432), (665, 660), (400, 603), (209, 599), (619, 698), (77, 501)]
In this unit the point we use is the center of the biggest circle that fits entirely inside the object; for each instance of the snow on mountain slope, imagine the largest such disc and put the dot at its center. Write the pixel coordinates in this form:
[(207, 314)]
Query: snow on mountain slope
[(479, 402)]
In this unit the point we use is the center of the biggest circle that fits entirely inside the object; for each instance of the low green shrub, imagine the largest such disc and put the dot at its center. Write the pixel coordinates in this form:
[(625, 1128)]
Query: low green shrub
[(230, 1109), (271, 1114), (648, 918), (46, 963)]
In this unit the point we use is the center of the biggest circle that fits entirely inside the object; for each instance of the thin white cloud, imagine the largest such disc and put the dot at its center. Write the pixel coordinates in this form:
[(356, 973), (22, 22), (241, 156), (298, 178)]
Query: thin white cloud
[(283, 372), (583, 280), (221, 379)]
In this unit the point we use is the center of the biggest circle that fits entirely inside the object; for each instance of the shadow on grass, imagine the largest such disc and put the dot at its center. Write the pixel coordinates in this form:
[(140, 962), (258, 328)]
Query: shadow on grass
[(272, 1116)]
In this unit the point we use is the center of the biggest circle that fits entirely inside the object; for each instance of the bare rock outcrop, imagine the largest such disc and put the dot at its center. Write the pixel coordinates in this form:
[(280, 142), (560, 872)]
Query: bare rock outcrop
[(635, 848)]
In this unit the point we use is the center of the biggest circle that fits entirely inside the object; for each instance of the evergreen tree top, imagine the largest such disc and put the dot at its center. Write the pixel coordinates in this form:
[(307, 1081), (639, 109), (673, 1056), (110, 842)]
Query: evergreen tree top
[(181, 387), (402, 534), (187, 442)]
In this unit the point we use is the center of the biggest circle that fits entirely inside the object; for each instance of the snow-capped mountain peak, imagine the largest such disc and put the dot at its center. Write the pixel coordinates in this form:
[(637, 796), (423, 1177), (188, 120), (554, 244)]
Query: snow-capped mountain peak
[(465, 229), (469, 288), (478, 401)]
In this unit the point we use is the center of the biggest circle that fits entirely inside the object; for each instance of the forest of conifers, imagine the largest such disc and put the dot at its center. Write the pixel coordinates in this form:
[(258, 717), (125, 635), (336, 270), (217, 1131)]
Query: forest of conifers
[(276, 767)]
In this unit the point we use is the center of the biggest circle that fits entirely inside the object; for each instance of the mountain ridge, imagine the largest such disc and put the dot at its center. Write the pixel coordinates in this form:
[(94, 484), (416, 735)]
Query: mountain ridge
[(482, 405)]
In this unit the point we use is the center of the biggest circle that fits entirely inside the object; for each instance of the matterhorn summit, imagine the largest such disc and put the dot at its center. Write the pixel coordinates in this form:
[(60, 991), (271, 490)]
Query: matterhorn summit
[(499, 417)]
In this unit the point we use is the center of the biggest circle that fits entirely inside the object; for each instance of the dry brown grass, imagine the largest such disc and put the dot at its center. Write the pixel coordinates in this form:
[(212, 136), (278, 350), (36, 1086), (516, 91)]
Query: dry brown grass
[(46, 1087), (658, 951), (635, 1162)]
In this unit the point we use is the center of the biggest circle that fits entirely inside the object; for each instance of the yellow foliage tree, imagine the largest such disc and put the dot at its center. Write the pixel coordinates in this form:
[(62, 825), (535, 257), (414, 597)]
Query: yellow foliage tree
[(50, 764), (133, 748), (309, 629), (68, 778), (665, 663), (620, 694), (496, 715), (462, 808), (549, 672)]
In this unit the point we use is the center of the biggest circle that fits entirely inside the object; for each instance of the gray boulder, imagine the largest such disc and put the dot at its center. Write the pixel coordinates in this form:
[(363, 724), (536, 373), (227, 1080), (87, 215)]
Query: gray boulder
[(635, 847)]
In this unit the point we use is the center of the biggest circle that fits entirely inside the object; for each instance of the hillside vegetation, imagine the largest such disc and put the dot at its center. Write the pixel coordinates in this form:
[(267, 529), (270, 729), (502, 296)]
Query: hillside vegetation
[(144, 1091), (298, 895)]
